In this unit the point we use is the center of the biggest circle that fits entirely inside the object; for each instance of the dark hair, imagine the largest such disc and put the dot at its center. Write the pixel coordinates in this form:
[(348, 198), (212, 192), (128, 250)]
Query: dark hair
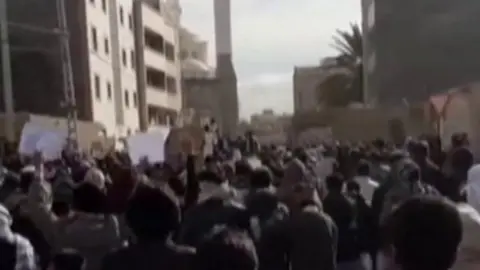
[(334, 182), (151, 214), (226, 249), (88, 198), (353, 186), (61, 208), (363, 168), (261, 178), (26, 180), (425, 233), (211, 177), (68, 260), (462, 159)]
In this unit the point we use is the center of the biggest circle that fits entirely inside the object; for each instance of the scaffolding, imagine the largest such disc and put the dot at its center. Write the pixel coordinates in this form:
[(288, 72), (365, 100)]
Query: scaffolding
[(61, 31)]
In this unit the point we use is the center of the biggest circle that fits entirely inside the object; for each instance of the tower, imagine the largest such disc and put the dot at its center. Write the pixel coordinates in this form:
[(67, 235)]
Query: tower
[(225, 73)]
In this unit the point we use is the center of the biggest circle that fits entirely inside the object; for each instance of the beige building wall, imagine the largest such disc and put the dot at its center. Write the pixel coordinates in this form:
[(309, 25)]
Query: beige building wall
[(101, 72), (194, 56), (460, 114), (305, 81), (127, 94)]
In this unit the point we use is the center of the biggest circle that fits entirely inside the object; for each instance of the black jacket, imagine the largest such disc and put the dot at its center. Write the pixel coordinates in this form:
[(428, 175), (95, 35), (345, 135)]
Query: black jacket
[(199, 220)]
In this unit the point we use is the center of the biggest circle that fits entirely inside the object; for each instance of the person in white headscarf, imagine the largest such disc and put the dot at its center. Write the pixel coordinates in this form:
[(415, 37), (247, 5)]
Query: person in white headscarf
[(468, 257)]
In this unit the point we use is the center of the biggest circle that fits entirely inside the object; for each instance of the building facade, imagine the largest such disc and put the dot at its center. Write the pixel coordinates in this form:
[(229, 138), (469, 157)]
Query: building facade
[(194, 56), (124, 56), (306, 82), (159, 73), (101, 46), (414, 49), (217, 96)]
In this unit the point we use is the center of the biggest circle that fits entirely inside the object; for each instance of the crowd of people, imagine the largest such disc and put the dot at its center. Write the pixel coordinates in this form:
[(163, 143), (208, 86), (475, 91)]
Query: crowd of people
[(363, 206)]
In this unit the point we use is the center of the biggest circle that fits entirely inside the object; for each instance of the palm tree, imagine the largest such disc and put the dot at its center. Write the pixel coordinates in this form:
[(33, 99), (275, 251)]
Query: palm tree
[(344, 84)]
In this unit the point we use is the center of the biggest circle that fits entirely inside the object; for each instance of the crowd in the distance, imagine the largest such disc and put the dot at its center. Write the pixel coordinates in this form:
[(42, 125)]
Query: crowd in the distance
[(364, 206)]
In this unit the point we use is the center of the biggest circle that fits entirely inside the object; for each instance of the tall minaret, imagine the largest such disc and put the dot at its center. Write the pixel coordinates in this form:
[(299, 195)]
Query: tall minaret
[(227, 79)]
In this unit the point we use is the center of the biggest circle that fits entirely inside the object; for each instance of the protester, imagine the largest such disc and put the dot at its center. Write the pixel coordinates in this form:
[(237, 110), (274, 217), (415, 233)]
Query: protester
[(16, 251), (366, 183), (153, 217), (342, 210), (341, 205), (422, 233), (226, 249)]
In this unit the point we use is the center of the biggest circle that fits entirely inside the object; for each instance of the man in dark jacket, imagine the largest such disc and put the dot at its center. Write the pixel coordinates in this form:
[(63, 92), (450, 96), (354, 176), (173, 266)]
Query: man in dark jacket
[(215, 206), (266, 214), (342, 211), (153, 217), (310, 235)]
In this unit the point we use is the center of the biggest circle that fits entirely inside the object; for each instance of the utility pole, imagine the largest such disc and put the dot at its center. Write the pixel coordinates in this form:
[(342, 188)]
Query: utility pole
[(7, 74), (68, 86)]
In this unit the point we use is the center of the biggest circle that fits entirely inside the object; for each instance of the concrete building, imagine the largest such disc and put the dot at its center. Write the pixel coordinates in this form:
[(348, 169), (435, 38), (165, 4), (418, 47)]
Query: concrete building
[(158, 73), (218, 97), (194, 56), (125, 63), (414, 49), (101, 44), (269, 127), (306, 81)]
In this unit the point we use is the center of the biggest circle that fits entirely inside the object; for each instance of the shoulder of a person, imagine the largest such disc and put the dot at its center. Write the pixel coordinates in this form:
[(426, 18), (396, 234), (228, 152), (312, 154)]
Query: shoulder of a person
[(234, 205), (469, 214), (23, 242), (181, 250)]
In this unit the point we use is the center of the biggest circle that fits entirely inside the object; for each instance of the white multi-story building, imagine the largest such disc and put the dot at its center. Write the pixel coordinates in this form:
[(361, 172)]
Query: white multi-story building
[(124, 56), (194, 56), (158, 72), (112, 65)]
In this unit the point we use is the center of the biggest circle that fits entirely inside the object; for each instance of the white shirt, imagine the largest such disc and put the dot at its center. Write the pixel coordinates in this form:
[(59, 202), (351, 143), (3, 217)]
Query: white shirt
[(367, 187)]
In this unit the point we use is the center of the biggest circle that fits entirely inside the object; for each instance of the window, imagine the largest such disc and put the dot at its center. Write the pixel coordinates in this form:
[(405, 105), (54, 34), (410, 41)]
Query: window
[(183, 55), (135, 100), (132, 58), (121, 15), (94, 38), (124, 57), (130, 21), (169, 51), (154, 41), (171, 84), (109, 91), (127, 99), (104, 5), (97, 86), (155, 78), (107, 46)]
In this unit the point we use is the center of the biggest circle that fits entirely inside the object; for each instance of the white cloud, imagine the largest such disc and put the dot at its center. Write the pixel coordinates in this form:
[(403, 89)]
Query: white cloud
[(270, 37)]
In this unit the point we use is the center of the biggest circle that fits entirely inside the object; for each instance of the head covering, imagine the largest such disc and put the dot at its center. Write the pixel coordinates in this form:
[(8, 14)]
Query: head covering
[(473, 187), (96, 178)]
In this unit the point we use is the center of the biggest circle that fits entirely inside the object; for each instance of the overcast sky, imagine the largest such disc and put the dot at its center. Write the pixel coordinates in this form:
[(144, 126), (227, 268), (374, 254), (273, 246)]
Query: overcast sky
[(270, 37)]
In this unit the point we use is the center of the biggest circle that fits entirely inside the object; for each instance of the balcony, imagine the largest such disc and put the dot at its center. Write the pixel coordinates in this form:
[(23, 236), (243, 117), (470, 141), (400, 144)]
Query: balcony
[(156, 78), (154, 41)]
